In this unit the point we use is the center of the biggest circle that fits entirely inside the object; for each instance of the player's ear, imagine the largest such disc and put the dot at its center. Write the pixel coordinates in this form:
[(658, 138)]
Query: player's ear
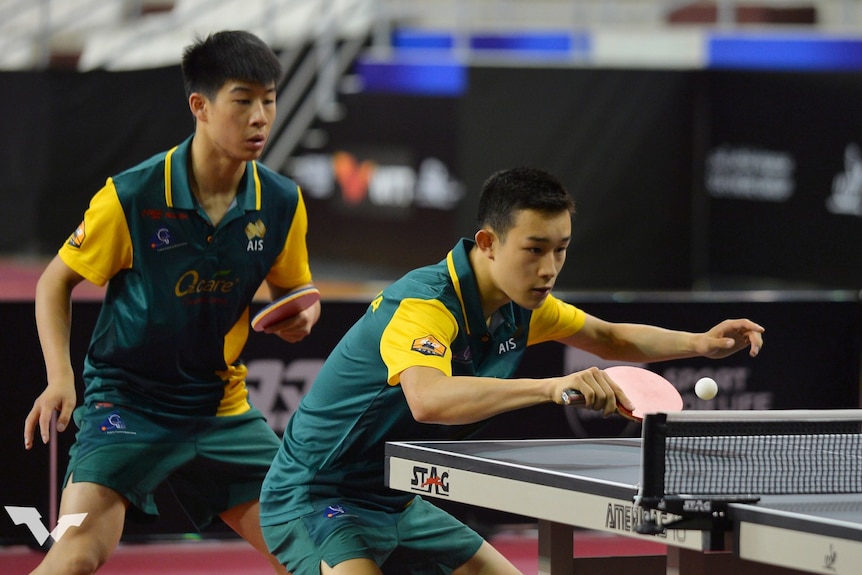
[(485, 240), (197, 104)]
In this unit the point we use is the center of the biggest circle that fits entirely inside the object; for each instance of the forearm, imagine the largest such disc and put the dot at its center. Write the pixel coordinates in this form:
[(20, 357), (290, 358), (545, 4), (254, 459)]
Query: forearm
[(53, 322), (633, 342), (436, 398), (647, 343)]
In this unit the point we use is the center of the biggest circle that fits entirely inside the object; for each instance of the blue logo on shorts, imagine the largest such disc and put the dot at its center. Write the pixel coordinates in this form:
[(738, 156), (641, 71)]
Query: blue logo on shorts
[(333, 511), (114, 424)]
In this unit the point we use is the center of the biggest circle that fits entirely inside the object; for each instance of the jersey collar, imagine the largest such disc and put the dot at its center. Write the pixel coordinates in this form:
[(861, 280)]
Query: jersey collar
[(178, 193), (464, 281)]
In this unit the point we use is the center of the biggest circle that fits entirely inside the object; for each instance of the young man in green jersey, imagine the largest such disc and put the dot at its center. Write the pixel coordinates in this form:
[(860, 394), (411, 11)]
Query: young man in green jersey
[(435, 351), (183, 242)]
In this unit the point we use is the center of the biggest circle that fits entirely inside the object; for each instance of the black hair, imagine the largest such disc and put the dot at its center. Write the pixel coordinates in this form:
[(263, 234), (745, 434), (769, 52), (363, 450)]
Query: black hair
[(506, 192), (209, 63)]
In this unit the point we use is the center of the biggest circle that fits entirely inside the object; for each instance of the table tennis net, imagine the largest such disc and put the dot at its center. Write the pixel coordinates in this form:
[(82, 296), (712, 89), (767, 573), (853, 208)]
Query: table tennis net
[(742, 454)]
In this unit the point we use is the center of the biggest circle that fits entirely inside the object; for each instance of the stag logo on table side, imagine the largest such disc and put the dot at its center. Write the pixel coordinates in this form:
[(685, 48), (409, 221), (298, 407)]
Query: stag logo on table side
[(430, 481)]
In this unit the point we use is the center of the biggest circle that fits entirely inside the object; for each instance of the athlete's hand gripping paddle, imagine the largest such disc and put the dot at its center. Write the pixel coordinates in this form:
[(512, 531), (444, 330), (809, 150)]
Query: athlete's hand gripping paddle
[(285, 307), (648, 391)]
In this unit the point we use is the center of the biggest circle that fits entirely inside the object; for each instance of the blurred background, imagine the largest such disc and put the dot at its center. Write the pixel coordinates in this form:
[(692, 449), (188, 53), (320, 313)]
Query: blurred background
[(709, 145), (714, 150)]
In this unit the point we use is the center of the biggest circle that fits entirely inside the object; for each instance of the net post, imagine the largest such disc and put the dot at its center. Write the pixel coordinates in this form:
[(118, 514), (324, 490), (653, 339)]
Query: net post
[(653, 435)]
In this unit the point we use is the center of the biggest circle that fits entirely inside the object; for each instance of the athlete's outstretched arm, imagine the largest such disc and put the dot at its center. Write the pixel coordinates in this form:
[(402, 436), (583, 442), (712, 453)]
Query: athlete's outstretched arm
[(435, 397), (641, 342)]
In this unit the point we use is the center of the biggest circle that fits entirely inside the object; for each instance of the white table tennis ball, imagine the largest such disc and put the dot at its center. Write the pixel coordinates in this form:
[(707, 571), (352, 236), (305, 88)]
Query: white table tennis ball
[(706, 388)]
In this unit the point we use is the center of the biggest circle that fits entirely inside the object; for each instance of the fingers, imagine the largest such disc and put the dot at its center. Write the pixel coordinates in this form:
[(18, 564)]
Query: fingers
[(623, 399), (292, 332), (40, 417), (732, 335), (65, 417), (45, 424), (293, 329), (752, 336), (755, 339), (599, 390), (30, 427)]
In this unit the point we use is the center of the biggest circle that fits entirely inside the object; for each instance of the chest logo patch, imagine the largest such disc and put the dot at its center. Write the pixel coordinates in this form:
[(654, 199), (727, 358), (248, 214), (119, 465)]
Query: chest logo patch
[(255, 231), (428, 345), (162, 238)]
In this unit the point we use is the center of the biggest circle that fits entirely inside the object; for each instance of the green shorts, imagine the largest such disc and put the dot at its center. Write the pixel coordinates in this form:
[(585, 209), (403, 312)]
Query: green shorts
[(420, 539), (212, 464)]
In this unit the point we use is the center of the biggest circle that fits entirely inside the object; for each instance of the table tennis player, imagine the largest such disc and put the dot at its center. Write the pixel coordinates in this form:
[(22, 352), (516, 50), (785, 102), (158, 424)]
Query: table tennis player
[(434, 354), (183, 241)]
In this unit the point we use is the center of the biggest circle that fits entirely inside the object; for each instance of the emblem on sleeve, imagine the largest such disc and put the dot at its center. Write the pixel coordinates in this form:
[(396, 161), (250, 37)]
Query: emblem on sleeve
[(428, 345), (77, 237)]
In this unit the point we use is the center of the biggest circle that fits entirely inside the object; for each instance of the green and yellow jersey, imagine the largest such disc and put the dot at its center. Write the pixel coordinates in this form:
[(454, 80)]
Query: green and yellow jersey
[(333, 447), (176, 312)]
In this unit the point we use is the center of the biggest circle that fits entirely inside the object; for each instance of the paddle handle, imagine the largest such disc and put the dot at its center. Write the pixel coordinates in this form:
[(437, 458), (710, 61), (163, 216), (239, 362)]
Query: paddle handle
[(576, 398), (572, 397)]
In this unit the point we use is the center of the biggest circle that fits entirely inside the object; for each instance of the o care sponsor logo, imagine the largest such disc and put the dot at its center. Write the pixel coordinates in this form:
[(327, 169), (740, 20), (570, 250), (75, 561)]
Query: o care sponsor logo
[(191, 283)]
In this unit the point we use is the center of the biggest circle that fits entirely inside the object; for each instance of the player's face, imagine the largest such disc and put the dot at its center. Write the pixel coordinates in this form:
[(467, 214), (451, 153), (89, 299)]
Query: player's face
[(527, 262), (240, 118)]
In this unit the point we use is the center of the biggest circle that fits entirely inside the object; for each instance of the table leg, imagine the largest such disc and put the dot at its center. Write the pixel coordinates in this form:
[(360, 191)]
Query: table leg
[(556, 548)]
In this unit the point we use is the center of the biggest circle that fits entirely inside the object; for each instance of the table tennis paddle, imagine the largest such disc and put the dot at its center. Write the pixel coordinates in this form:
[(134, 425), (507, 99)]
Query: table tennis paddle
[(647, 390), (285, 307)]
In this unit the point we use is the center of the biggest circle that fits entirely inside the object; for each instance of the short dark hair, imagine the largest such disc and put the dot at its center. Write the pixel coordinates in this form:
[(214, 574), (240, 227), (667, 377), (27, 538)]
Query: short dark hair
[(506, 192), (209, 63)]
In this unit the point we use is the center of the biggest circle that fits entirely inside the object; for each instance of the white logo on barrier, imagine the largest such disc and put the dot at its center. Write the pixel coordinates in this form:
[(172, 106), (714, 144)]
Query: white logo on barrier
[(846, 195), (386, 186), (31, 517), (276, 388), (750, 174)]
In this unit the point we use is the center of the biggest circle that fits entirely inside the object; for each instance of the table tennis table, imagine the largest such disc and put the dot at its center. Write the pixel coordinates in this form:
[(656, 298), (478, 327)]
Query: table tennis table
[(594, 484)]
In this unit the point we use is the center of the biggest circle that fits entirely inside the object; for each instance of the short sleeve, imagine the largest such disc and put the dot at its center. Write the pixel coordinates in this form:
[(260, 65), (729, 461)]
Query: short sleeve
[(291, 266), (420, 332), (101, 246), (555, 319)]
